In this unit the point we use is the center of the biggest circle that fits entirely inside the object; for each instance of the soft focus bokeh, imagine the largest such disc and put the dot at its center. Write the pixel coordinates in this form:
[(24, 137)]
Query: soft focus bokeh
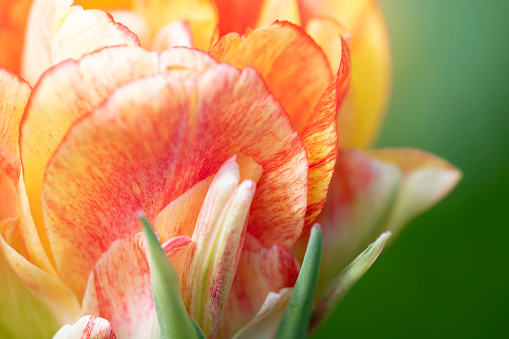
[(447, 276)]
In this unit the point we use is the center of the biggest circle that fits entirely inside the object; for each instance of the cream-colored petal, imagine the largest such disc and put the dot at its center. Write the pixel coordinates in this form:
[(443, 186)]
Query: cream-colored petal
[(58, 31), (88, 327), (218, 238), (177, 33), (376, 191)]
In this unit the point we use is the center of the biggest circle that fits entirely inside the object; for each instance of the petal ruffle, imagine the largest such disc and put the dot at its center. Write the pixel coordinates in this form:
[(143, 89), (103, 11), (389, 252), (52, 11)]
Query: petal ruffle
[(88, 327), (57, 31), (291, 63), (117, 161), (260, 272)]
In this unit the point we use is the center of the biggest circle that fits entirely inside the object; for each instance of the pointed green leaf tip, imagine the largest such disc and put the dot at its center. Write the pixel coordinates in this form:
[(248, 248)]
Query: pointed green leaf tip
[(334, 292), (174, 322), (295, 321)]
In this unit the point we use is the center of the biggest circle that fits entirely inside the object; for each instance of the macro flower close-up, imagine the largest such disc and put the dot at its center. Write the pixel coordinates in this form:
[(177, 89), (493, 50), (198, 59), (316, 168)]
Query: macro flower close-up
[(196, 168)]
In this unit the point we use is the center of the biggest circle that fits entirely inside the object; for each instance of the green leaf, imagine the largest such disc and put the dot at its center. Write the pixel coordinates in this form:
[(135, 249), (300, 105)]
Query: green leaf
[(198, 329), (295, 321), (334, 292), (174, 322)]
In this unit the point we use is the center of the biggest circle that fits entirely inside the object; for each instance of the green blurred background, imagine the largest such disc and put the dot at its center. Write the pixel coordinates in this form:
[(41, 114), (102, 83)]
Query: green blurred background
[(448, 273)]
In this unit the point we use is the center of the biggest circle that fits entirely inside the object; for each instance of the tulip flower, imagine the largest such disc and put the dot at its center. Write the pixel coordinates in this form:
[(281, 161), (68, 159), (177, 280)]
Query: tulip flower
[(225, 135)]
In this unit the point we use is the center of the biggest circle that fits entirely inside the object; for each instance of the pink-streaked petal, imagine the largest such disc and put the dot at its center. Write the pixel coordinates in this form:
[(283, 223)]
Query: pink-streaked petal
[(58, 31), (297, 71), (119, 290), (176, 250), (74, 88), (88, 327), (177, 33), (258, 273), (14, 93), (127, 156), (218, 238)]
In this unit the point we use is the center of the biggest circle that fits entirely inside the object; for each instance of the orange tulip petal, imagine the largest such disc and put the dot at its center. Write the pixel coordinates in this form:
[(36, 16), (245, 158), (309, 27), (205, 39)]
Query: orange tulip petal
[(272, 10), (104, 4), (67, 92), (326, 32), (119, 289), (297, 71), (236, 16), (364, 108), (85, 328), (179, 217), (57, 31), (291, 63), (258, 273), (321, 138), (14, 93), (201, 15), (13, 17), (128, 155)]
